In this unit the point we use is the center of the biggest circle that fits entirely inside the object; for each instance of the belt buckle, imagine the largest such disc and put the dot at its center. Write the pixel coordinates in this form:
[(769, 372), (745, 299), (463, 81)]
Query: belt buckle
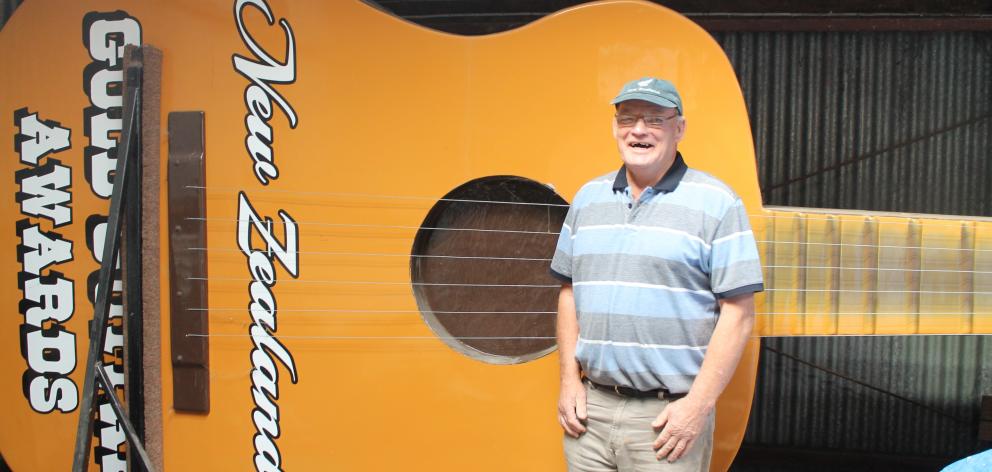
[(616, 388)]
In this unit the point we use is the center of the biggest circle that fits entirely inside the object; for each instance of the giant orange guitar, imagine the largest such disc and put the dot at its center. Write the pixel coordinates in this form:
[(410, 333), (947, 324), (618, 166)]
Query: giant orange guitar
[(379, 203)]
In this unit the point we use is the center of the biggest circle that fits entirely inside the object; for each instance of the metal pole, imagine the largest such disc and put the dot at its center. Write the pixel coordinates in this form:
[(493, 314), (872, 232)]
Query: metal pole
[(84, 429), (129, 431)]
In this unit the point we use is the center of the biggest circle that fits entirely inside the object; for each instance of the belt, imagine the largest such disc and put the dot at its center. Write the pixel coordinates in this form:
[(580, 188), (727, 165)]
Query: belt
[(635, 393)]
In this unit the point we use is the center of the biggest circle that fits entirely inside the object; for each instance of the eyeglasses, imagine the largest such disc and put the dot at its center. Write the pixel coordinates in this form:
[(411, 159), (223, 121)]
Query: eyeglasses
[(651, 121)]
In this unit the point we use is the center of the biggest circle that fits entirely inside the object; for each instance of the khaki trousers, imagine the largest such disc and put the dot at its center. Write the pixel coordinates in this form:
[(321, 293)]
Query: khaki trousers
[(619, 437)]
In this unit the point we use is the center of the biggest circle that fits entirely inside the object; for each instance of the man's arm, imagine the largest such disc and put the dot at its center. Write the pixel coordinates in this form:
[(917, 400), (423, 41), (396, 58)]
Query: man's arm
[(572, 397), (684, 419)]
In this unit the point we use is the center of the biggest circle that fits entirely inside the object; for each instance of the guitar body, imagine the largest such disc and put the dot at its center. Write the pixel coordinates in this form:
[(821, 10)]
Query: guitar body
[(340, 106)]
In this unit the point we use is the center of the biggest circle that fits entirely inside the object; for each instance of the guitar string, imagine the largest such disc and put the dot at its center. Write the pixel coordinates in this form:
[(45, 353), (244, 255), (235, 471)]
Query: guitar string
[(317, 311), (841, 290), (364, 225), (555, 286), (860, 220), (380, 282), (544, 338), (374, 312), (917, 218), (387, 254), (513, 231), (483, 338), (834, 219), (877, 246), (544, 259), (393, 197), (884, 269), (321, 223)]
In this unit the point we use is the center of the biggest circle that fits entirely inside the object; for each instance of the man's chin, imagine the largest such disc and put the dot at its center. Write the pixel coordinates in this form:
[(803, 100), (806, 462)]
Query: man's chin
[(641, 163)]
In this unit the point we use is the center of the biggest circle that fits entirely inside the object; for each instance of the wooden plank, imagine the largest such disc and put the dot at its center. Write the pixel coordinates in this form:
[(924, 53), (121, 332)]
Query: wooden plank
[(151, 162), (188, 296)]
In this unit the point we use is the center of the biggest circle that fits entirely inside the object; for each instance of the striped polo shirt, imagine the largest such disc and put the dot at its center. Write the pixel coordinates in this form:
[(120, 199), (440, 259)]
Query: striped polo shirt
[(647, 274)]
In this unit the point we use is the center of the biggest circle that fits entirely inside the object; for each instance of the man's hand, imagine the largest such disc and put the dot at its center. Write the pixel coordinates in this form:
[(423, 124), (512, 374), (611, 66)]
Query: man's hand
[(572, 399), (572, 407), (680, 422)]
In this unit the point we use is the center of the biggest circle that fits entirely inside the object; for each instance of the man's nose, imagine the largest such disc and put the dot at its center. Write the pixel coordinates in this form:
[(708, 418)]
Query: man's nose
[(640, 126)]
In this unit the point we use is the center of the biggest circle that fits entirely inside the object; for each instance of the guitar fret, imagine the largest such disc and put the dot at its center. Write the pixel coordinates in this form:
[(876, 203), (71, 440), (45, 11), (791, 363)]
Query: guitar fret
[(870, 236), (892, 247), (803, 272), (967, 275), (829, 273), (821, 306), (853, 251), (765, 230), (982, 278)]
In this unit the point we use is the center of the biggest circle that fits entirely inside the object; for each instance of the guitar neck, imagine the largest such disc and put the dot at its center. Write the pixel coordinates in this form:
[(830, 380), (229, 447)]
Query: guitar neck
[(830, 272)]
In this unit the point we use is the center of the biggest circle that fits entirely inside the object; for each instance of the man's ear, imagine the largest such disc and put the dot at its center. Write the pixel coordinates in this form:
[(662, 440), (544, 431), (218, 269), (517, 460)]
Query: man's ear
[(680, 128)]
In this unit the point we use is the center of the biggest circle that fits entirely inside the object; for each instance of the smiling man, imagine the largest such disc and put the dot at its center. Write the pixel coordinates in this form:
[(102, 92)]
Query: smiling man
[(659, 269)]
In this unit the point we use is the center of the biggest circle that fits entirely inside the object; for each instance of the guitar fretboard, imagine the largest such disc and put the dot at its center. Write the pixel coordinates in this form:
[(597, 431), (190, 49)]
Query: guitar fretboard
[(830, 272)]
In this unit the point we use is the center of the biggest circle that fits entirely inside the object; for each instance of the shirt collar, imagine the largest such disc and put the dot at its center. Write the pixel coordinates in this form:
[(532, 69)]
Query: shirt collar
[(668, 181)]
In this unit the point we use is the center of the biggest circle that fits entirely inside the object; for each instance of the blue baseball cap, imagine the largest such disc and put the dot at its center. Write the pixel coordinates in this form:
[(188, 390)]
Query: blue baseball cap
[(658, 91)]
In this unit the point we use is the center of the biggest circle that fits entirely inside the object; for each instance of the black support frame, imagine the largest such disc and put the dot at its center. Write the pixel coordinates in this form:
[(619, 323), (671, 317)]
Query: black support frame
[(95, 375), (132, 267)]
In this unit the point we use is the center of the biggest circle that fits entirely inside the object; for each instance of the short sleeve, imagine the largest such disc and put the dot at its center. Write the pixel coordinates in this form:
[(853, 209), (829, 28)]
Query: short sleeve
[(735, 268), (561, 263)]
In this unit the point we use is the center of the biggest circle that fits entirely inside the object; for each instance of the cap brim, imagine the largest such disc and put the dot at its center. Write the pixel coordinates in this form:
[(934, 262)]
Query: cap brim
[(647, 97)]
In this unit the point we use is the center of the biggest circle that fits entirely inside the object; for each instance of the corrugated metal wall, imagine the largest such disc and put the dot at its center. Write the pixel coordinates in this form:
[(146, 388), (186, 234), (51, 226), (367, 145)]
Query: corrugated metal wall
[(7, 8), (873, 121), (931, 409), (898, 121)]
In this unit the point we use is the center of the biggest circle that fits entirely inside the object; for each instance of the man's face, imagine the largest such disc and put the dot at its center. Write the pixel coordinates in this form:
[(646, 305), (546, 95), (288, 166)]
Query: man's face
[(652, 137)]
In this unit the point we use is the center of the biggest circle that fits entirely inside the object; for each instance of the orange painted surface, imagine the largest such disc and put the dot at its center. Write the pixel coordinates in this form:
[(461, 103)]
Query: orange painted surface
[(384, 108)]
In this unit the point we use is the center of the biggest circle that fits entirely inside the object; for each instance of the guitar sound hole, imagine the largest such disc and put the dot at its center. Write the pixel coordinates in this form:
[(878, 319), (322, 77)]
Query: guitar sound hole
[(480, 268)]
